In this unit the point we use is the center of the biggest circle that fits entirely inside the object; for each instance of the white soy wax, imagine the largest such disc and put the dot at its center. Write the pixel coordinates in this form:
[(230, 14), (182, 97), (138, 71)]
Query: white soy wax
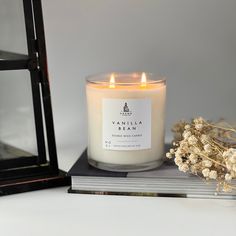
[(126, 119)]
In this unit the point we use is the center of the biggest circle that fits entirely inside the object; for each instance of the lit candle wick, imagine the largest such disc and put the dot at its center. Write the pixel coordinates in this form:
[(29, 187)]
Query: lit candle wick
[(143, 80), (112, 81)]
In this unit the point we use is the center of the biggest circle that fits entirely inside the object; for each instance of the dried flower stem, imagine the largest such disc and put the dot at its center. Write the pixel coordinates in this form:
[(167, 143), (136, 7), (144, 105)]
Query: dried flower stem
[(210, 159), (221, 127), (221, 146)]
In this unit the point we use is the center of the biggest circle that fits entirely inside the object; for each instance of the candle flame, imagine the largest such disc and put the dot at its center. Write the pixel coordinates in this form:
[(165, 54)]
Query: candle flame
[(112, 81), (143, 80)]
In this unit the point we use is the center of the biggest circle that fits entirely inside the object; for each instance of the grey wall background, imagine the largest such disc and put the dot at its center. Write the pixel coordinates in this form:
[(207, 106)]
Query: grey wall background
[(192, 42)]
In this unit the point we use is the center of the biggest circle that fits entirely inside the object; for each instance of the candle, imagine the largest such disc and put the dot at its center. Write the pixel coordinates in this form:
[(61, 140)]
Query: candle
[(126, 117)]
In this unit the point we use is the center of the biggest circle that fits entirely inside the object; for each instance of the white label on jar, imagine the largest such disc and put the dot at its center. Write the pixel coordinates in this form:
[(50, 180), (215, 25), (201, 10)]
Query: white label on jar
[(126, 124)]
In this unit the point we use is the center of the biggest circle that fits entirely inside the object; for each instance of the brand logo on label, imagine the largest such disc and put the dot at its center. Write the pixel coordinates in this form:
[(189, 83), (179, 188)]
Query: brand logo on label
[(126, 111)]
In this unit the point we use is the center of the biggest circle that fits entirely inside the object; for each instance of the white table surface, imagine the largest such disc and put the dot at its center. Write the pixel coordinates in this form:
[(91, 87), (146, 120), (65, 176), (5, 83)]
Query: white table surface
[(55, 212)]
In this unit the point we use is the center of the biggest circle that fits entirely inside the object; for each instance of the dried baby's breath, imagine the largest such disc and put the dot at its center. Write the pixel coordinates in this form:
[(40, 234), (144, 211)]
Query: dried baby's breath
[(206, 149)]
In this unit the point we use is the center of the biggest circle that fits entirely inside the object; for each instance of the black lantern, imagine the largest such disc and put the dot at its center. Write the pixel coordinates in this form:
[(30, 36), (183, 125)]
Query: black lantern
[(28, 158)]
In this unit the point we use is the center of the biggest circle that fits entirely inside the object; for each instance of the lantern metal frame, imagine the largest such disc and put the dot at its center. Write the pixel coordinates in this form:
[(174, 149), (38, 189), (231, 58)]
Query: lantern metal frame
[(33, 172)]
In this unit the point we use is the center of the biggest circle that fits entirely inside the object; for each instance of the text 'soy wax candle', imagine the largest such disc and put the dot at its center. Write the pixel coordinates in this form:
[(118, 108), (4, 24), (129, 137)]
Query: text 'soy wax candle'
[(126, 119)]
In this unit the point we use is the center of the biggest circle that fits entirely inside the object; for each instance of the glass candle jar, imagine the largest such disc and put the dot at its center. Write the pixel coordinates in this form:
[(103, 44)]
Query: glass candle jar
[(126, 119)]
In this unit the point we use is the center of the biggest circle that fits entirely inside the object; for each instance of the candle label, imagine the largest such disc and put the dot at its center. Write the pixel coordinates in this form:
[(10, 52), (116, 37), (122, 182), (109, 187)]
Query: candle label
[(126, 124)]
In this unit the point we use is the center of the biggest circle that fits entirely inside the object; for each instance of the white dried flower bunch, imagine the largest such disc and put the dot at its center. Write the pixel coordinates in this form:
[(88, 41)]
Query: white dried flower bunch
[(206, 149)]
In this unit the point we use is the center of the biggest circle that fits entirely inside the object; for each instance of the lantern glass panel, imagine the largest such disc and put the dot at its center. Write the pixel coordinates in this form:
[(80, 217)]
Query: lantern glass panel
[(12, 26), (17, 125)]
